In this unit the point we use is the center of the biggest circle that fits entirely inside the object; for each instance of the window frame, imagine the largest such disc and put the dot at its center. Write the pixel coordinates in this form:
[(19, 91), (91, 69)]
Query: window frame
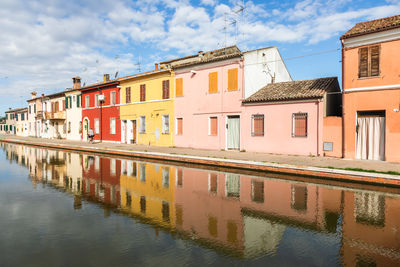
[(113, 98), (113, 126), (143, 93), (253, 117), (142, 124), (87, 101), (97, 123), (369, 61), (163, 121), (299, 114)]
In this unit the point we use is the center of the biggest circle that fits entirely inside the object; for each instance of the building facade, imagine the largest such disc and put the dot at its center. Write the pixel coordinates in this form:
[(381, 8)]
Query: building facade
[(73, 105), (288, 117), (54, 122), (147, 108), (35, 115), (371, 86), (100, 111), (21, 122), (209, 88)]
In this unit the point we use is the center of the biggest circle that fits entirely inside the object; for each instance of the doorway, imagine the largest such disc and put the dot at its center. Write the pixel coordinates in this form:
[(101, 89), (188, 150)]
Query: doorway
[(370, 135), (132, 133), (85, 129), (233, 132)]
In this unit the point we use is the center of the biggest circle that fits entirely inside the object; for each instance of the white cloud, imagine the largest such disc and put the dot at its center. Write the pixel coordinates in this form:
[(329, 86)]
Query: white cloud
[(208, 2)]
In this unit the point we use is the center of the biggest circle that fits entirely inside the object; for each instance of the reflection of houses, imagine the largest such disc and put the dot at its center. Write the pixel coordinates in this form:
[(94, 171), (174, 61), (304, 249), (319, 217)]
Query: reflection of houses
[(101, 179), (147, 191), (371, 234), (249, 215)]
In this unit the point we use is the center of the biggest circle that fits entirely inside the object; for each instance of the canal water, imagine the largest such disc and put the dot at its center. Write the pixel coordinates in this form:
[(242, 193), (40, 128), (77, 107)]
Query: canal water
[(68, 209)]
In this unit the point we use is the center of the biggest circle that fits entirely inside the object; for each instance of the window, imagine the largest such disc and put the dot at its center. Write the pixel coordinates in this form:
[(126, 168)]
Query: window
[(165, 177), (34, 108), (213, 226), (56, 106), (79, 101), (69, 127), (257, 125), (165, 89), (112, 98), (179, 87), (143, 204), (142, 92), (96, 100), (213, 126), (30, 110), (368, 65), (112, 125), (128, 95), (213, 82), (165, 124), (22, 116), (232, 185), (70, 101), (299, 125), (142, 172), (257, 191), (86, 101), (179, 177), (213, 182), (142, 124), (165, 211), (179, 126), (16, 117), (299, 197), (232, 79), (96, 126)]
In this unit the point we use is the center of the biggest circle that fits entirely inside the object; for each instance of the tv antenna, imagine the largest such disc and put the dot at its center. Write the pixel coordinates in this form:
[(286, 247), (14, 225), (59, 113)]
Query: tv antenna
[(138, 64), (117, 64)]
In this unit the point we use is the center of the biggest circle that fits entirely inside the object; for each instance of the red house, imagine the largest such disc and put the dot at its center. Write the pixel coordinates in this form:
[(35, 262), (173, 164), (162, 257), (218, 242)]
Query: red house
[(100, 110)]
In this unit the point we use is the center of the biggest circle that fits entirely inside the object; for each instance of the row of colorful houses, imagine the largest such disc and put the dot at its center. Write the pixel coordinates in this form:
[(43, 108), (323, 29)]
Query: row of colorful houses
[(229, 99)]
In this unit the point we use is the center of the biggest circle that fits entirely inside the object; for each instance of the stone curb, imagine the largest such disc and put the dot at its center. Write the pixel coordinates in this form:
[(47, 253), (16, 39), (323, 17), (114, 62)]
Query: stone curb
[(323, 173)]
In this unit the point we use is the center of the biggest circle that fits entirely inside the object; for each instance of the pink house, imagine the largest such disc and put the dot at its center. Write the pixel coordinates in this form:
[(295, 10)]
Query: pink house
[(289, 118), (210, 88)]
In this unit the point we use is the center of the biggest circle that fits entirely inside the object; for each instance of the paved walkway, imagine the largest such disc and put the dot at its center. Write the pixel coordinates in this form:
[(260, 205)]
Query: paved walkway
[(298, 161)]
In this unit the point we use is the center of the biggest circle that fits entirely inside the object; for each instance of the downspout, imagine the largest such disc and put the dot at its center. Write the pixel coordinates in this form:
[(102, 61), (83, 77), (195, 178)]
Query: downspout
[(318, 101), (343, 111)]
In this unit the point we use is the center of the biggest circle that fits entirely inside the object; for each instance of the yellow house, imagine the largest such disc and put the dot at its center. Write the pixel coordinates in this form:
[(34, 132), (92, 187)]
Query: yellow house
[(148, 191), (147, 108)]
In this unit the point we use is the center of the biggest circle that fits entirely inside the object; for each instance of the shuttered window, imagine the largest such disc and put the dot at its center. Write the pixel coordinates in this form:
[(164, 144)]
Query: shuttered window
[(257, 191), (165, 89), (213, 126), (179, 87), (179, 177), (112, 98), (128, 95), (299, 125), (213, 82), (257, 125), (179, 123), (64, 104), (213, 182), (368, 65), (56, 109), (142, 92), (232, 79)]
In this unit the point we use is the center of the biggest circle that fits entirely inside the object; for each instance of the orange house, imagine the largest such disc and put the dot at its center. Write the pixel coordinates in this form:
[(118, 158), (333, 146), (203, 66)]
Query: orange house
[(371, 86)]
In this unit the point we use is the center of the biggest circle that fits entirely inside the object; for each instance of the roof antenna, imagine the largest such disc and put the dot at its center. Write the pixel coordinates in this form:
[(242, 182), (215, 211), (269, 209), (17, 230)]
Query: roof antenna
[(138, 64), (116, 60)]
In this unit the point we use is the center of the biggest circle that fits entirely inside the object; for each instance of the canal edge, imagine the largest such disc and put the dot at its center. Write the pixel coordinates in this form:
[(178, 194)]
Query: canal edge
[(315, 172)]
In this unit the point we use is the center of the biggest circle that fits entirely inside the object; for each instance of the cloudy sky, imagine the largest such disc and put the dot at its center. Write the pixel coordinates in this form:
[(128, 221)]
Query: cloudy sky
[(45, 43)]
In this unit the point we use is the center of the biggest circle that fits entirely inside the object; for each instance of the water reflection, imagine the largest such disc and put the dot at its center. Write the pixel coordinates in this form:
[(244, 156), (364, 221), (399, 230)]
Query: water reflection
[(237, 215)]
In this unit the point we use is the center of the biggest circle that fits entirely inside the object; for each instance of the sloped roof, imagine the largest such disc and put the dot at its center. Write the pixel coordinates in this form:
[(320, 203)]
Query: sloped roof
[(371, 26), (294, 90), (17, 110), (204, 57)]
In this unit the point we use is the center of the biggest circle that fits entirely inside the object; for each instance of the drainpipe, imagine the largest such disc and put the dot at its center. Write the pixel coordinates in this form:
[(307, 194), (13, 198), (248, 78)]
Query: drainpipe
[(318, 101), (343, 111), (101, 117)]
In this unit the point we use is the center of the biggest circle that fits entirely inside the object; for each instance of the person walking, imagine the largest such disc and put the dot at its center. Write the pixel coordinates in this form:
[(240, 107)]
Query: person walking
[(90, 135)]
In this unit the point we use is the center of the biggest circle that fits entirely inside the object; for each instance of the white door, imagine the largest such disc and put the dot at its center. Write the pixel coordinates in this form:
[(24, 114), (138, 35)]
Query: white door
[(233, 135), (370, 138), (123, 132)]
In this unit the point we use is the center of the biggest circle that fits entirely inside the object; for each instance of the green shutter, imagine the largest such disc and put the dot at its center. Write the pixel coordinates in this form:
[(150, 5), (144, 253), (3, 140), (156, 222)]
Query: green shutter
[(77, 101)]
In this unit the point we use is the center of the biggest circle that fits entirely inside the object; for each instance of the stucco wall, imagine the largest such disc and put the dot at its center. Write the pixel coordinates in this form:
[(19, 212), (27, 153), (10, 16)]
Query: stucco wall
[(278, 128), (197, 105), (74, 116), (332, 133)]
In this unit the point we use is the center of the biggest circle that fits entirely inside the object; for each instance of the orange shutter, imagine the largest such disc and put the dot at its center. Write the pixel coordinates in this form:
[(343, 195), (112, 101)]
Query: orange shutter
[(142, 92), (213, 82), (180, 126), (180, 177), (300, 125), (179, 86), (128, 95), (233, 79), (258, 125), (213, 126), (213, 182)]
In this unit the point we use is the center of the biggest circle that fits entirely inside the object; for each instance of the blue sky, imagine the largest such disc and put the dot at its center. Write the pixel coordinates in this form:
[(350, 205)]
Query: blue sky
[(45, 43)]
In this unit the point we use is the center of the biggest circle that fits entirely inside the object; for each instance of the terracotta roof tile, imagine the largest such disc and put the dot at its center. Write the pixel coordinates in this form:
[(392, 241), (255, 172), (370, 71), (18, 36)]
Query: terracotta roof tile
[(294, 90), (204, 57), (373, 26)]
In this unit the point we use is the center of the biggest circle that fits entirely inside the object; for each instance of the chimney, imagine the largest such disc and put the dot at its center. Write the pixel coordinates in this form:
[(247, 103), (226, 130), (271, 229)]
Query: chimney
[(106, 77), (156, 66), (42, 95), (33, 95), (76, 81)]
